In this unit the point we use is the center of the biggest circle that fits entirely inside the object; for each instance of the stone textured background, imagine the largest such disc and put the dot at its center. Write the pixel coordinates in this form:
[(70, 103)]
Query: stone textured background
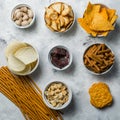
[(76, 76)]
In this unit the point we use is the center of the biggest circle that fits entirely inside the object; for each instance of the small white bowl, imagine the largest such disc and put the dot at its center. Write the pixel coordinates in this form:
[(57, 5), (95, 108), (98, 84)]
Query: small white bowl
[(70, 58), (35, 67), (23, 5), (93, 71), (68, 27), (99, 35), (47, 102)]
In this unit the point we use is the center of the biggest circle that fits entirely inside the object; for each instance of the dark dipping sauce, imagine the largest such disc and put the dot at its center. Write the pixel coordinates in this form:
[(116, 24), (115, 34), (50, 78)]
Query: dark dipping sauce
[(59, 57)]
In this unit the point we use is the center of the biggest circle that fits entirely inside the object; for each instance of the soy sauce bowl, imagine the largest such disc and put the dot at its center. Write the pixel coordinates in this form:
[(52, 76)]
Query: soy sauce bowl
[(58, 62)]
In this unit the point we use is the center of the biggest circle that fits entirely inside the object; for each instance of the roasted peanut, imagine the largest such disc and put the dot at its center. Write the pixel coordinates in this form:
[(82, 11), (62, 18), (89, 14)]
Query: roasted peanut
[(30, 13), (22, 16)]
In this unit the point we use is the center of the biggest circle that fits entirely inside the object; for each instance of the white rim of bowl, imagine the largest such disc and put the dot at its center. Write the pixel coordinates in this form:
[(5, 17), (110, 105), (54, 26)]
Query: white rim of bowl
[(37, 63), (70, 57), (23, 5), (47, 102), (107, 69), (70, 25)]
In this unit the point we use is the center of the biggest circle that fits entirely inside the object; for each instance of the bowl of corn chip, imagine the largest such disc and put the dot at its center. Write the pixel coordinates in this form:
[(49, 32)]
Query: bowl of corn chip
[(98, 20), (98, 58), (59, 17)]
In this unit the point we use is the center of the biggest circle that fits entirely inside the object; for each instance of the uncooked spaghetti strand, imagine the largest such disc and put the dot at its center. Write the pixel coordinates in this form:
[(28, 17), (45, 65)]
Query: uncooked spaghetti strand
[(28, 96), (38, 105), (26, 90), (43, 104), (34, 92)]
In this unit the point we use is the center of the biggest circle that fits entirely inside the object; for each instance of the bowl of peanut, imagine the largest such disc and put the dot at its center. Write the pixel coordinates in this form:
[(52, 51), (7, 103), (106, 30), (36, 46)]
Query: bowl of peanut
[(57, 95), (23, 16), (98, 58)]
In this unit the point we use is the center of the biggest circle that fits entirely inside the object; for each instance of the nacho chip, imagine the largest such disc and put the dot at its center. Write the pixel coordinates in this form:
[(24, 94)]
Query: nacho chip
[(111, 13), (86, 27), (99, 23), (103, 33), (104, 13), (98, 19), (114, 18)]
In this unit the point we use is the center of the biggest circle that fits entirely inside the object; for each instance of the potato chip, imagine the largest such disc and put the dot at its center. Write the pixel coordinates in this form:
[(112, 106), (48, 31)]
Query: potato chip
[(15, 64), (24, 54), (48, 21), (54, 16), (62, 21), (54, 25), (59, 16), (57, 7), (13, 47), (49, 11), (66, 19), (66, 10)]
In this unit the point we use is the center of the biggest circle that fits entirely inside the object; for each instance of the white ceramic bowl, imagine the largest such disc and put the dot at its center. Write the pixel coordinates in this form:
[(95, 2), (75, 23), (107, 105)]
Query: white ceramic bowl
[(23, 5), (93, 71), (70, 58), (47, 102), (100, 35), (35, 67), (70, 25)]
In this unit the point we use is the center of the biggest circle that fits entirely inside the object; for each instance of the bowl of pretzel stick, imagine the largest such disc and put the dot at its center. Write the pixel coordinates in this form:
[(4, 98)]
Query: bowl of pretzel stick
[(98, 58)]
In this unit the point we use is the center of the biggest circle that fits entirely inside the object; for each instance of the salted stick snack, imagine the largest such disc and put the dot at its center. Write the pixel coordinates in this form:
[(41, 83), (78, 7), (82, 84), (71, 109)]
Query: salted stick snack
[(98, 58)]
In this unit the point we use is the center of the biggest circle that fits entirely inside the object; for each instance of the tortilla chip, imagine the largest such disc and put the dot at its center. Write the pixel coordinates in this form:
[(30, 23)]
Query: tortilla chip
[(98, 19), (103, 33), (86, 27), (99, 23), (104, 13), (114, 18), (90, 11), (111, 13)]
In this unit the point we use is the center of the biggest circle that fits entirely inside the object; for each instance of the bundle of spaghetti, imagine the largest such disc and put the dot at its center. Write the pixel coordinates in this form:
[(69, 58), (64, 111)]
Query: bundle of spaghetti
[(26, 95)]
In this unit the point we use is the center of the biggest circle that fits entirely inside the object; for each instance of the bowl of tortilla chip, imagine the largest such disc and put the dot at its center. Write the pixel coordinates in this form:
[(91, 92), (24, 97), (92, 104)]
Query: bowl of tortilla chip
[(98, 20)]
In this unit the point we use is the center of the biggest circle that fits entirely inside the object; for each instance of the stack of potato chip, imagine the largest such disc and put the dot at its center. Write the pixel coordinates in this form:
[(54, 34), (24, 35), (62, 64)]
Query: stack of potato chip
[(59, 17), (98, 20)]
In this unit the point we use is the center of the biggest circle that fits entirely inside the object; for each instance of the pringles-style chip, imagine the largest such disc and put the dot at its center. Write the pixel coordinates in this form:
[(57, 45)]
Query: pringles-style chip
[(98, 20)]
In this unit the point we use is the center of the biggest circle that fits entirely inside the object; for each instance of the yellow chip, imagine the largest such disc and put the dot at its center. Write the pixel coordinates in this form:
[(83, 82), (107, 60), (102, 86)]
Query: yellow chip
[(114, 18), (111, 13), (86, 27), (104, 13), (100, 95), (99, 23), (98, 19)]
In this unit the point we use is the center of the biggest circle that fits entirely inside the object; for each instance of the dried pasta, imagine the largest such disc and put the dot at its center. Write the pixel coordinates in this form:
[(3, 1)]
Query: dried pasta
[(26, 95)]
